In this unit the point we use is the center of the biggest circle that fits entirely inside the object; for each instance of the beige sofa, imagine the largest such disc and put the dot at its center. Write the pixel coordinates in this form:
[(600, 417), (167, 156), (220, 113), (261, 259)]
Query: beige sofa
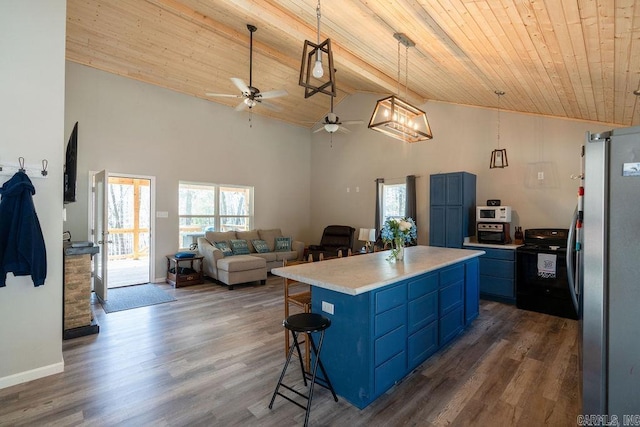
[(235, 269)]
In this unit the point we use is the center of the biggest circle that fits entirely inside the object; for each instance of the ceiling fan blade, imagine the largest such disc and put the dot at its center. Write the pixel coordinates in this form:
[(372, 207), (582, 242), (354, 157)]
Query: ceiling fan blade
[(272, 107), (224, 95), (343, 129), (353, 122), (273, 94), (319, 129), (241, 106), (240, 84)]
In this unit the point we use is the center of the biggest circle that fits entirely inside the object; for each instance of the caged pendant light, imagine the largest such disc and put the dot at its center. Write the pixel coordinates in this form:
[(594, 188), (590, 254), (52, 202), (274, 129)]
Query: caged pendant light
[(312, 69), (499, 155), (396, 117)]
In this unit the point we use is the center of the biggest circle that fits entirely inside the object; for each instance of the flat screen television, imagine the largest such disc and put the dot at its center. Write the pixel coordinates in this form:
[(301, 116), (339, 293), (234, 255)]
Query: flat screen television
[(71, 166)]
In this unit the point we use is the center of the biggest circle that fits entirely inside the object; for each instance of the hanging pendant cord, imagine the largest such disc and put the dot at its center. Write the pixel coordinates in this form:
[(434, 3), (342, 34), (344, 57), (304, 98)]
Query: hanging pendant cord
[(318, 35), (406, 72), (399, 68)]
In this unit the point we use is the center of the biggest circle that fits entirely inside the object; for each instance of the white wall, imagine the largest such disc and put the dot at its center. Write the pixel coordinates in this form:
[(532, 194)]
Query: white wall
[(463, 140), (32, 42), (130, 127)]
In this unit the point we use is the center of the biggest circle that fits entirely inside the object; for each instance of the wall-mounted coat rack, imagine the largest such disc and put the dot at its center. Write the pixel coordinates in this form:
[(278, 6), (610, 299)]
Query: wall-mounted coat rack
[(32, 170)]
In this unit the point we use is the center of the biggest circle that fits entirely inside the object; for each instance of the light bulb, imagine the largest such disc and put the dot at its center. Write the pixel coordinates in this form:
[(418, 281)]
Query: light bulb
[(318, 72)]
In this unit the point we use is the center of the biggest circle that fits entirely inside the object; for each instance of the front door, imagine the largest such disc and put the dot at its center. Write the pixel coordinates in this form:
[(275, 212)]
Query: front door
[(100, 234)]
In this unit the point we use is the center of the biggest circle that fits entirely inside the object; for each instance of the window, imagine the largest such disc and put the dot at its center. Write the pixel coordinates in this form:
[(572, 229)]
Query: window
[(213, 207), (394, 198)]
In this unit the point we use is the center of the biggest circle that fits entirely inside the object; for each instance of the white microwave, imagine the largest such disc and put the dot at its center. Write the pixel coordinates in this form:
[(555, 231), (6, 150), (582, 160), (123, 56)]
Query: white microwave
[(493, 214)]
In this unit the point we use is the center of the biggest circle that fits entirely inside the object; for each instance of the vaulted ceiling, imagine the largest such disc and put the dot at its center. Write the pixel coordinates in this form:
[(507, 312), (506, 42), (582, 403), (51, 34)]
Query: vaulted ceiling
[(577, 59)]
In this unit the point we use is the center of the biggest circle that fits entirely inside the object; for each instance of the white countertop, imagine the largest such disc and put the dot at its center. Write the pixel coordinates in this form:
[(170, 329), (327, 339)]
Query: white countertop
[(363, 273), (469, 242)]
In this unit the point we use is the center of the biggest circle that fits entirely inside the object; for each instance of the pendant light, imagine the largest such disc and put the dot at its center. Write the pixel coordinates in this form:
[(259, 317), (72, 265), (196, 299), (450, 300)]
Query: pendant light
[(396, 117), (499, 156), (312, 68)]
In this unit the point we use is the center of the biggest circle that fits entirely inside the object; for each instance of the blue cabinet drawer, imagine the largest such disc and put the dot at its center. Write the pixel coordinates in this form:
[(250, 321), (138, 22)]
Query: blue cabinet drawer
[(451, 324), (422, 285), (506, 254), (390, 320), (423, 311), (388, 345), (390, 372), (422, 344), (497, 268), (497, 286), (451, 274), (451, 297), (388, 298)]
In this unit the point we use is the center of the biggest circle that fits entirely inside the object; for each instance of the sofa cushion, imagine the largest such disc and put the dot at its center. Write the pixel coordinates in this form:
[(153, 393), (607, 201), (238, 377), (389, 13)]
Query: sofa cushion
[(241, 263), (260, 246), (283, 244), (248, 236), (224, 247), (220, 236), (268, 256), (239, 247), (269, 236)]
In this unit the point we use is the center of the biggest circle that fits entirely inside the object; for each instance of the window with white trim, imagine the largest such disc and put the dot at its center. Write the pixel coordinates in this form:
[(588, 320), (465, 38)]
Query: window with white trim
[(394, 199), (212, 207)]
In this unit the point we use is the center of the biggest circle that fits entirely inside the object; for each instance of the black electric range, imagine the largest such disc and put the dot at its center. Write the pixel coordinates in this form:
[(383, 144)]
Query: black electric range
[(541, 273)]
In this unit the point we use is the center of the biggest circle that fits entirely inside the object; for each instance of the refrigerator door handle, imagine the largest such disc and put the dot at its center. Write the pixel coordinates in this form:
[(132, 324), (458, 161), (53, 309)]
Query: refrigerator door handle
[(571, 250)]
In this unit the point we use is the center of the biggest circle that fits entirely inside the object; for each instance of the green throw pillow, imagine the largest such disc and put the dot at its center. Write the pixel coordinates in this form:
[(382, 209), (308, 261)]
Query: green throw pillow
[(224, 247), (283, 244), (239, 247), (260, 246)]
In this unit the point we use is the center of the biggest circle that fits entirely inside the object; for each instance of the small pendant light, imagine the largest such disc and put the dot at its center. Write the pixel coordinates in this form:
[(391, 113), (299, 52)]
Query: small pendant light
[(499, 155)]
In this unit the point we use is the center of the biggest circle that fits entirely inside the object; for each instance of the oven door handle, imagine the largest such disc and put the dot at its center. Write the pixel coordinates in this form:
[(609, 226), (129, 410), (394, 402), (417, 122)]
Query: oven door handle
[(571, 249)]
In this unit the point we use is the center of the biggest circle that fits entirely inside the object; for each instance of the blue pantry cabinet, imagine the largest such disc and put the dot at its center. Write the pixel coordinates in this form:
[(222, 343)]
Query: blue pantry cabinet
[(452, 210)]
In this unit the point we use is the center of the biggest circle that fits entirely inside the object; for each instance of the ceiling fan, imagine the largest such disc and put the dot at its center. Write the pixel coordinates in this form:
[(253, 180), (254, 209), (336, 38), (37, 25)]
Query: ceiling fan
[(331, 123), (250, 95)]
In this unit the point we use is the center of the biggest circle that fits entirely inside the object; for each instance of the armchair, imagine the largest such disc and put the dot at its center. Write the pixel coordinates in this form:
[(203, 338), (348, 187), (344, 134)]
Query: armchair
[(334, 238)]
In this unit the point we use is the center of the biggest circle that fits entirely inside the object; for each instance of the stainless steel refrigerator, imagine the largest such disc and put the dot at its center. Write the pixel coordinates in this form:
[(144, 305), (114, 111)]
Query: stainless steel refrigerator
[(607, 275)]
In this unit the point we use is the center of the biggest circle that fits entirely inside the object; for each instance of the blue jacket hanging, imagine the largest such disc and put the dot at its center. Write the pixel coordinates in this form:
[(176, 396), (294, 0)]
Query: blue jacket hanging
[(22, 249)]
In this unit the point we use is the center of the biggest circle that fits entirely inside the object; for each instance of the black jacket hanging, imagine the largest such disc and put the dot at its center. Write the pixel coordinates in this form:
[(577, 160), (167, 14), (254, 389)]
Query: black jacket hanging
[(22, 249)]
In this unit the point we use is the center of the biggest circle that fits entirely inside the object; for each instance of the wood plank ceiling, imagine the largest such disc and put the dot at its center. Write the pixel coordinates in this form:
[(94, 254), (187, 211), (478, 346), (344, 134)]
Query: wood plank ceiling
[(577, 59)]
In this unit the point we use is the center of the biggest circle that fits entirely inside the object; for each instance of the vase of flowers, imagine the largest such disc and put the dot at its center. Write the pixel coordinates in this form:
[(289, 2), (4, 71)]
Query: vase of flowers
[(398, 232)]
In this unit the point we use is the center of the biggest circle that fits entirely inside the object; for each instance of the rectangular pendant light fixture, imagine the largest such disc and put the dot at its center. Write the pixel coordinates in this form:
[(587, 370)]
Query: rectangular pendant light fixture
[(396, 117), (401, 120)]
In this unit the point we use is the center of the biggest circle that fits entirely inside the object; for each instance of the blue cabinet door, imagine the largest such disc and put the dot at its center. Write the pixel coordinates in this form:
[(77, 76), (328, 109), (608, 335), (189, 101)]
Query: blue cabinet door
[(454, 188), (454, 228), (438, 227), (472, 291), (438, 192)]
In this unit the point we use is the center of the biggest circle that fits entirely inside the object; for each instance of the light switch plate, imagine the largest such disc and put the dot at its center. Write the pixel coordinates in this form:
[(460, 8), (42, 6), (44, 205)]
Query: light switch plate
[(327, 307)]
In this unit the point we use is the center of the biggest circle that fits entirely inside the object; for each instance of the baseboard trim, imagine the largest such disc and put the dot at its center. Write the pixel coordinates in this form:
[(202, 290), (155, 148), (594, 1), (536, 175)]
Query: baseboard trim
[(31, 375)]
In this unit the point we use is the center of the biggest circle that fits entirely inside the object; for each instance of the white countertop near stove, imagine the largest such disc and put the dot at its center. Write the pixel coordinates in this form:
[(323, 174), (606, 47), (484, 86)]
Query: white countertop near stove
[(363, 273), (473, 242)]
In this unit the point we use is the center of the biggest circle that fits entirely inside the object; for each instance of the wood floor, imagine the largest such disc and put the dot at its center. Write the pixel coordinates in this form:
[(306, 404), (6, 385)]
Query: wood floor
[(213, 357)]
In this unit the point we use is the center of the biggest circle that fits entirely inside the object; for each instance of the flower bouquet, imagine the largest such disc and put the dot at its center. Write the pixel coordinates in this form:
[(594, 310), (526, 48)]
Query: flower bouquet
[(397, 232)]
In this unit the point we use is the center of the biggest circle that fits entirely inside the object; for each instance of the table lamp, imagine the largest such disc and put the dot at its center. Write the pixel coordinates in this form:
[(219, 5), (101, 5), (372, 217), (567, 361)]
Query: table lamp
[(367, 235)]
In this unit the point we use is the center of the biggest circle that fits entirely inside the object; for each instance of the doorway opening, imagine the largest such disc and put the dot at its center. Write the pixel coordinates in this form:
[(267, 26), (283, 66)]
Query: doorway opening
[(122, 226), (129, 210)]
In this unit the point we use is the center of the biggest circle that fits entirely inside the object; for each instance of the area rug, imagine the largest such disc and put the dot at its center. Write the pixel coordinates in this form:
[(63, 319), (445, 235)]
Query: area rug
[(128, 297)]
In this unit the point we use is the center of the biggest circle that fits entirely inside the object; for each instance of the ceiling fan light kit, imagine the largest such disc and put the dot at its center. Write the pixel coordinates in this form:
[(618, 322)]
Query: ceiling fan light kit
[(312, 69), (398, 118)]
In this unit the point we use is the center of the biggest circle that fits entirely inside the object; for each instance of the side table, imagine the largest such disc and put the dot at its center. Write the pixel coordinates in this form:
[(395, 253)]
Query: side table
[(184, 276)]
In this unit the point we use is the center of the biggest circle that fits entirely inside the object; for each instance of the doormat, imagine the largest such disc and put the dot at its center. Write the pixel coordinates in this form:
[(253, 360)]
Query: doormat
[(128, 297)]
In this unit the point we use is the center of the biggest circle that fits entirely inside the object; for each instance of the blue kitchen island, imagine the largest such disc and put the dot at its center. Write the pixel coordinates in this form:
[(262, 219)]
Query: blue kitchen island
[(387, 318)]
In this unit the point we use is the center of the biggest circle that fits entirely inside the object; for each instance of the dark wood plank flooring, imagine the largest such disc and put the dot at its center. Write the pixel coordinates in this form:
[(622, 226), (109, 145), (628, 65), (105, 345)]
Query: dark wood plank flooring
[(213, 357)]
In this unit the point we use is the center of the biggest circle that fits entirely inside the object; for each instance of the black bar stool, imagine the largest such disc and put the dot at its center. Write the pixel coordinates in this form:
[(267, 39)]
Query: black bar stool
[(306, 323)]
